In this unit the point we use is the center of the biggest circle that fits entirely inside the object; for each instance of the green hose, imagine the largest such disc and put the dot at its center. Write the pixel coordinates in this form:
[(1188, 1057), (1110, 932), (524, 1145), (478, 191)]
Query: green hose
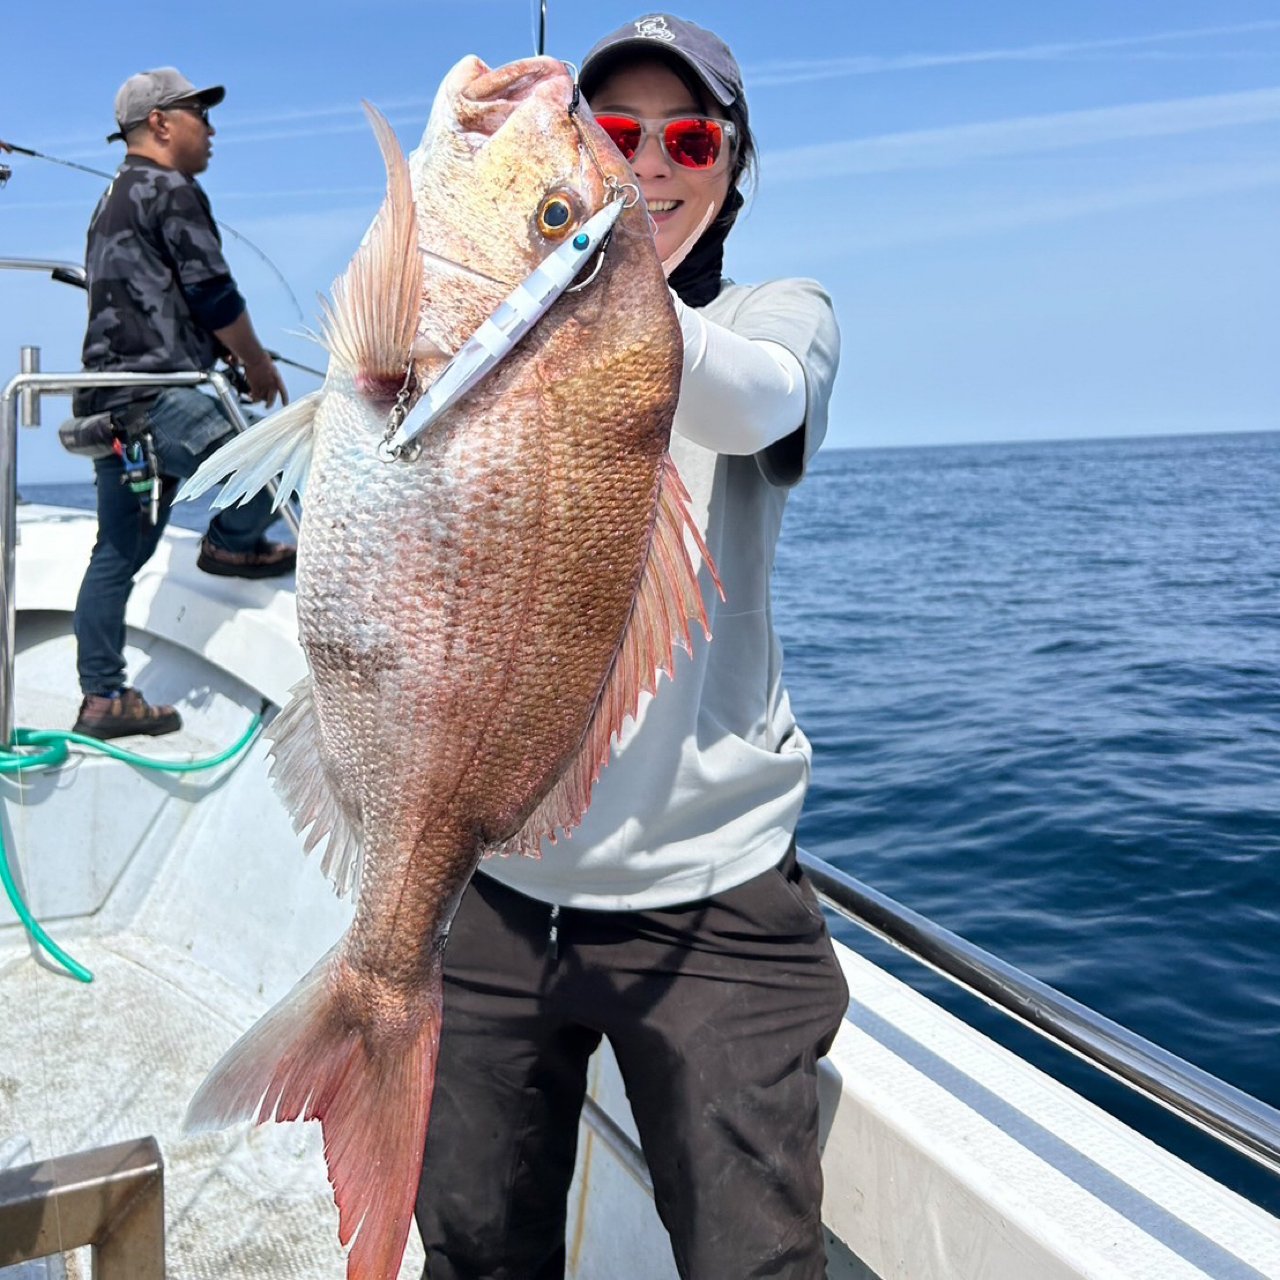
[(71, 965), (55, 743)]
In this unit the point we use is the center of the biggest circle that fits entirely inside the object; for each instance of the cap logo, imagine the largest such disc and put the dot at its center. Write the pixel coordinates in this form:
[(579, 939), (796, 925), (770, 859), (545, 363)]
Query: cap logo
[(655, 29)]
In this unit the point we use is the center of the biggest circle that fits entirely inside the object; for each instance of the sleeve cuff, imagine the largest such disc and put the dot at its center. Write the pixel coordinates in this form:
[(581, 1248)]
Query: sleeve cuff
[(215, 304)]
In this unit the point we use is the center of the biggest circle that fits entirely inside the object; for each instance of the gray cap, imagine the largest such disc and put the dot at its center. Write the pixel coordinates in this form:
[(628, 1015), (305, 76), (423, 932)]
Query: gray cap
[(142, 94), (706, 55)]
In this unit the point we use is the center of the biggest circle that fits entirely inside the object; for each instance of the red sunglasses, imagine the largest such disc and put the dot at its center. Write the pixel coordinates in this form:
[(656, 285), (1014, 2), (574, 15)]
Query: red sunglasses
[(692, 142)]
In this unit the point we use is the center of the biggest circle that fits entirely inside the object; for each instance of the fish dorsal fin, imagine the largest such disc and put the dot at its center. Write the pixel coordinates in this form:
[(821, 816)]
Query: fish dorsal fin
[(667, 601), (298, 772), (370, 327), (280, 445)]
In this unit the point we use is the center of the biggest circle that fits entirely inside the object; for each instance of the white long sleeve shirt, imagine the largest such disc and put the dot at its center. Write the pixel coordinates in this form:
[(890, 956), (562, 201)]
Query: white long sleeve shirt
[(704, 789), (737, 395)]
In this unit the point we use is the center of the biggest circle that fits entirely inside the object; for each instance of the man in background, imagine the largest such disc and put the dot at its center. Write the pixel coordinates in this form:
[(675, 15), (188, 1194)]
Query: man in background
[(161, 299)]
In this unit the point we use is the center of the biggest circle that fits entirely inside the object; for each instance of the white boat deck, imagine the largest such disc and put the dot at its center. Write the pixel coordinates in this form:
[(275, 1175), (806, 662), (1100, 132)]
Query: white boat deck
[(188, 897), (164, 886), (120, 1058)]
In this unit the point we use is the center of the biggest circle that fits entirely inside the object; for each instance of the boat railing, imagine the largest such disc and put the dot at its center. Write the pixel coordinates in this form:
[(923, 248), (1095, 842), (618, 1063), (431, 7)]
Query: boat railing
[(21, 398), (110, 1199), (1219, 1109), (64, 272)]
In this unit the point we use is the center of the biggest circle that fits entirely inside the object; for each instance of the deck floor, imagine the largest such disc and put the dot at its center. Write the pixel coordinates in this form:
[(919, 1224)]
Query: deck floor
[(123, 1056)]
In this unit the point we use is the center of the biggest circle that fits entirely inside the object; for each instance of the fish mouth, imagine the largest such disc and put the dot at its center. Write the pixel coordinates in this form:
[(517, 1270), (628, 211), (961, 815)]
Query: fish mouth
[(487, 101)]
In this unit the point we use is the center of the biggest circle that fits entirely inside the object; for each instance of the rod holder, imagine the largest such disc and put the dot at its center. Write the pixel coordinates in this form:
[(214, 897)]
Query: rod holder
[(29, 397)]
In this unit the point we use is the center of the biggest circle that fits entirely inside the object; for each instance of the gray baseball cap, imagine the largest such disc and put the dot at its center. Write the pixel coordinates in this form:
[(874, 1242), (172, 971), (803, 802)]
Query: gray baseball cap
[(142, 94), (706, 55)]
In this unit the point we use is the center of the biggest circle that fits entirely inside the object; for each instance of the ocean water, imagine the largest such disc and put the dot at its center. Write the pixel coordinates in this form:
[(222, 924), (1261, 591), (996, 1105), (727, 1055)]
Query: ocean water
[(1043, 686)]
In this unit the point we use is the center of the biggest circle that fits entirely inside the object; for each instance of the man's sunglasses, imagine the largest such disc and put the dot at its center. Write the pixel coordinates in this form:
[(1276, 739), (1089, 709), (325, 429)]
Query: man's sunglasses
[(692, 142), (200, 113)]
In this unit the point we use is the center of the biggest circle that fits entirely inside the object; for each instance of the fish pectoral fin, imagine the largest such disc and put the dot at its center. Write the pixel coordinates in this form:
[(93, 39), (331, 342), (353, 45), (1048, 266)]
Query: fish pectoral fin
[(669, 598), (280, 445), (309, 1058), (370, 327), (299, 775)]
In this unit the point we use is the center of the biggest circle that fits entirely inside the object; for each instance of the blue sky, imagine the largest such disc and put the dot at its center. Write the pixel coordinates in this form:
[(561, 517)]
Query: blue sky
[(1036, 220)]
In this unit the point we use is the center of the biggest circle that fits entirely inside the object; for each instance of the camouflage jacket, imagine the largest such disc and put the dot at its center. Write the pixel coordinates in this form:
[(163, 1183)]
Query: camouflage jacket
[(158, 283)]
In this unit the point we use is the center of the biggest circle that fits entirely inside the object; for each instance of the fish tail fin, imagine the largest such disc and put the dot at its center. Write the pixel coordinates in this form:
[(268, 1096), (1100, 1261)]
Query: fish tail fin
[(370, 1088), (280, 445)]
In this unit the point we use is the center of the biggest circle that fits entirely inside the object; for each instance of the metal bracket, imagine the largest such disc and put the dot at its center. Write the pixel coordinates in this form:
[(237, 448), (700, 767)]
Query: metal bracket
[(110, 1198)]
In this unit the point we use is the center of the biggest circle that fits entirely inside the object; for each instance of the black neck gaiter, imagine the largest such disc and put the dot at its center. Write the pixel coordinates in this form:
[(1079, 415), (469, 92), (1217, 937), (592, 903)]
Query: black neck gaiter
[(697, 279)]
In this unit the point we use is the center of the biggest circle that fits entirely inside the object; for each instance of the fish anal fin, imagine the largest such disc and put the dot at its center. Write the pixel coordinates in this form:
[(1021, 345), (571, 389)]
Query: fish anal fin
[(298, 771), (370, 326), (370, 1088), (668, 600)]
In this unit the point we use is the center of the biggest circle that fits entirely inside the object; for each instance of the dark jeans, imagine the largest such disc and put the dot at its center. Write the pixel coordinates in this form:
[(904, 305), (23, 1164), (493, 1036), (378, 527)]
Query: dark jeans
[(717, 1012), (187, 427)]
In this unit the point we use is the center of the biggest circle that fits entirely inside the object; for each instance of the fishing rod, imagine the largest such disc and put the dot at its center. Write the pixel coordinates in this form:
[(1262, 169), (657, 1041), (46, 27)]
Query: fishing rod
[(294, 364), (5, 172), (540, 27), (38, 155)]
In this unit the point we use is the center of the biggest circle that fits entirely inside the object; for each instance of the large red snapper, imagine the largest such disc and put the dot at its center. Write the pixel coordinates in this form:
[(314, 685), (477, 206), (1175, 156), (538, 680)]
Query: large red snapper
[(478, 618)]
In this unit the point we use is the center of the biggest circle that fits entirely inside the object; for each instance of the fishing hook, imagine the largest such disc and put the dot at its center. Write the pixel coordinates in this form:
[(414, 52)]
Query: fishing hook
[(577, 92), (616, 189), (613, 191)]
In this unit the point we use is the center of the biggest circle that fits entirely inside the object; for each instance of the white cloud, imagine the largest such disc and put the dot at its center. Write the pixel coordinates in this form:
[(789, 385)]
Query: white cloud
[(1011, 213), (1020, 135)]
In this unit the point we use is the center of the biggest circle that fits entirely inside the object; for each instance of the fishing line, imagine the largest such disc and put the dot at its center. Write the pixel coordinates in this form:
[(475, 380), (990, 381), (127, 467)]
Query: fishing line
[(275, 271), (99, 173)]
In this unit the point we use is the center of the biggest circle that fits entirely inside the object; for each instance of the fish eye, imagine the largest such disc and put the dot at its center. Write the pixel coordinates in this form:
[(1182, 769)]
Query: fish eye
[(555, 217)]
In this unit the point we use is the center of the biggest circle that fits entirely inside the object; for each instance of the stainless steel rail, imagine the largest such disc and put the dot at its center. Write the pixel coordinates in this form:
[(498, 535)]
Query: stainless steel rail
[(111, 1198), (64, 384), (1227, 1113), (66, 272)]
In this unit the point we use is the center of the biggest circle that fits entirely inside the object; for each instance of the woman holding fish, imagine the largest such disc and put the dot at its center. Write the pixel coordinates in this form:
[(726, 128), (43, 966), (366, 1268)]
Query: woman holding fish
[(487, 588), (674, 920)]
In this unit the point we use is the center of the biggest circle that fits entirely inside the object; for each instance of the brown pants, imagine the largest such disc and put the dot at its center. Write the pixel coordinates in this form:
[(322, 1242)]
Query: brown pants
[(717, 1012)]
